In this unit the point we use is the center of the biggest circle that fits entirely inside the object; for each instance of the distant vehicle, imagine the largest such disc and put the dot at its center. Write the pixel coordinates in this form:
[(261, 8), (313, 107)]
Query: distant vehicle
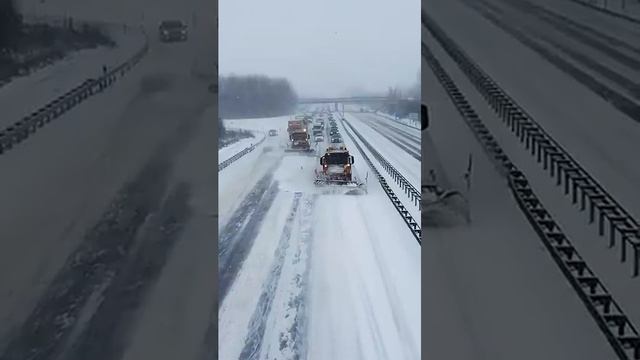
[(273, 132), (319, 138), (336, 140), (172, 30), (333, 132)]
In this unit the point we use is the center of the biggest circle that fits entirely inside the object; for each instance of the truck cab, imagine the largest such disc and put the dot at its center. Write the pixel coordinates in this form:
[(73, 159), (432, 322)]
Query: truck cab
[(336, 163)]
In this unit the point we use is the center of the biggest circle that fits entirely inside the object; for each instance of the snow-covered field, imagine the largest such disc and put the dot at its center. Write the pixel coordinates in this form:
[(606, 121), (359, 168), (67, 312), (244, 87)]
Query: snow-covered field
[(324, 275)]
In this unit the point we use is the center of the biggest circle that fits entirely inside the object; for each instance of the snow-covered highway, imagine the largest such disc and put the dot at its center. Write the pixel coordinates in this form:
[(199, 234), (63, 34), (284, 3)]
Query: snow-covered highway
[(570, 69), (309, 272), (108, 212)]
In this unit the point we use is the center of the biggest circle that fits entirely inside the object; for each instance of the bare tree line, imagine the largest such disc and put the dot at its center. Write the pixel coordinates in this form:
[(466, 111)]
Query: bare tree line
[(405, 101), (255, 96)]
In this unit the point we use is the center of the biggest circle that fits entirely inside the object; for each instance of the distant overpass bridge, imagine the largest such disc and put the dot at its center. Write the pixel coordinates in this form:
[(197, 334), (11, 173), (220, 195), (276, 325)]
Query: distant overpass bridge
[(343, 100), (370, 100)]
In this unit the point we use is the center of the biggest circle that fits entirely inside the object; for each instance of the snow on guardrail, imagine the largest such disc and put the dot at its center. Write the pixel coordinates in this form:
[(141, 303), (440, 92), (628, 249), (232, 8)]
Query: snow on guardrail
[(28, 125), (239, 154), (413, 225)]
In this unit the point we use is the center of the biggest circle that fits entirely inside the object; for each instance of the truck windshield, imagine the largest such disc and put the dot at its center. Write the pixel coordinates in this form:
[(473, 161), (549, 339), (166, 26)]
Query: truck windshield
[(337, 158), (299, 136)]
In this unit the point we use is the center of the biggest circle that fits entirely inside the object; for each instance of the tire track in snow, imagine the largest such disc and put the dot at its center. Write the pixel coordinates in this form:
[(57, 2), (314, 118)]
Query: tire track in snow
[(105, 335), (374, 326), (237, 237), (389, 133), (399, 317), (241, 214), (290, 325), (621, 80), (258, 322), (618, 100), (589, 37), (91, 267)]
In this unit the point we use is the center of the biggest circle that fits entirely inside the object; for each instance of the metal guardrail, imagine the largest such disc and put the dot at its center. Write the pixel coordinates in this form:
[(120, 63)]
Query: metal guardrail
[(239, 154), (402, 210), (577, 181), (409, 190), (28, 125), (616, 326)]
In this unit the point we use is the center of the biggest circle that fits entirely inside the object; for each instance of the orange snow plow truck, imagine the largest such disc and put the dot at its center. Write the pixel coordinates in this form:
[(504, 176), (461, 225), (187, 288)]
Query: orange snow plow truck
[(298, 137), (337, 168)]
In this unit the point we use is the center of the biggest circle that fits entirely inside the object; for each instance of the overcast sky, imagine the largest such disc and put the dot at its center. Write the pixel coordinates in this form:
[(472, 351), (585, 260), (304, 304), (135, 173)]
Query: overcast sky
[(324, 47)]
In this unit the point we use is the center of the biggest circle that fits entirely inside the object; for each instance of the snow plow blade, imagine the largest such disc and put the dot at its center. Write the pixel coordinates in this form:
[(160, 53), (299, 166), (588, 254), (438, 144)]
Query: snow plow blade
[(445, 209), (341, 187), (299, 150)]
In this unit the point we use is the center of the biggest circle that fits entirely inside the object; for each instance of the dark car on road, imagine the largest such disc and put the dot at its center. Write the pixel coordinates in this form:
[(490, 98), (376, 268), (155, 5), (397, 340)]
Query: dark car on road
[(172, 30)]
